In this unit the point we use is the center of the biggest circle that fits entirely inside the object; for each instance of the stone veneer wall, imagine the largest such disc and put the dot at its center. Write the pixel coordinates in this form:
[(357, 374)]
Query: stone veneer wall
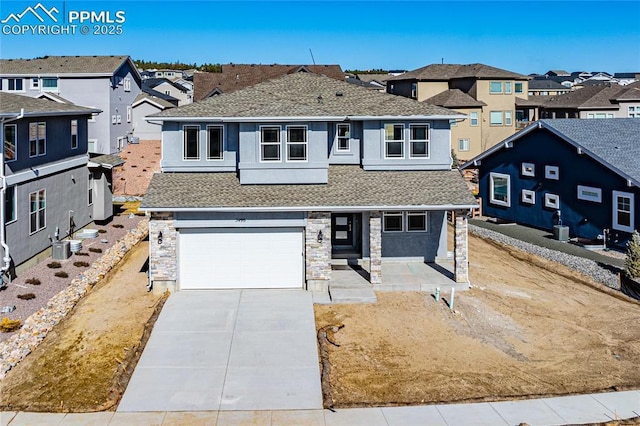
[(375, 247), (163, 258), (461, 251), (318, 254)]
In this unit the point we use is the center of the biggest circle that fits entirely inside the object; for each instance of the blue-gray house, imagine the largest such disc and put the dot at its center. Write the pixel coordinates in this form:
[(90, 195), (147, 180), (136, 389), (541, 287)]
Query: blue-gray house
[(584, 174), (48, 190), (264, 186)]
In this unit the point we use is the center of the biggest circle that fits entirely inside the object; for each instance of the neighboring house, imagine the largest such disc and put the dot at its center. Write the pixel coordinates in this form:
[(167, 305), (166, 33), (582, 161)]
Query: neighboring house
[(584, 174), (107, 83), (239, 76), (546, 87), (625, 78), (557, 73), (49, 191), (601, 101), (264, 186), (492, 101), (168, 74), (378, 79), (143, 106), (170, 88), (371, 85)]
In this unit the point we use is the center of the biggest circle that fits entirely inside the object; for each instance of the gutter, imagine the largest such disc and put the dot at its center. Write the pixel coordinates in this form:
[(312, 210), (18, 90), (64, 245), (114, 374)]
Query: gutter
[(308, 118), (3, 191), (311, 208)]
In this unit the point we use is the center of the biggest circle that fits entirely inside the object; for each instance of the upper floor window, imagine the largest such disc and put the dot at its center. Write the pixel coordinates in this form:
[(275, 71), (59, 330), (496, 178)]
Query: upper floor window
[(495, 87), (500, 189), (296, 143), (37, 139), (128, 114), (50, 84), (214, 143), (496, 118), (519, 87), (191, 142), (508, 118), (634, 112), (90, 189), (10, 142), (507, 87), (127, 84), (74, 134), (419, 140), (270, 143), (473, 118), (394, 141), (37, 211), (35, 83), (414, 90), (343, 136), (15, 84), (10, 204)]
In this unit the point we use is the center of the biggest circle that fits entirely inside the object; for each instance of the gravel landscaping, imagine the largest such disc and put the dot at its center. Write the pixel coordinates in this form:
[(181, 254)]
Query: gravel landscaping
[(50, 284)]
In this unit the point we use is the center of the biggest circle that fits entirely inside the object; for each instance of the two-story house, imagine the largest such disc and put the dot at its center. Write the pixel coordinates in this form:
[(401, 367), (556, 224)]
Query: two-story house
[(183, 94), (263, 187), (494, 100), (48, 190), (107, 83)]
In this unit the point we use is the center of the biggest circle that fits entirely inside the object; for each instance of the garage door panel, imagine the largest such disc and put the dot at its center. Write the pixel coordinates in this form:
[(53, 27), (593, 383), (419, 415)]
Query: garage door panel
[(241, 258)]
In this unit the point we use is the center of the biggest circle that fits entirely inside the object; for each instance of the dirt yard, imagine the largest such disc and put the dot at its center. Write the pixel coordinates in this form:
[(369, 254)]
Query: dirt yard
[(80, 365), (528, 328), (141, 161)]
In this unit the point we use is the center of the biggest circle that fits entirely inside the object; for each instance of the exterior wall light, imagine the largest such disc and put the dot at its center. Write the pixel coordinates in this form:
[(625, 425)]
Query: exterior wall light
[(320, 236), (160, 237)]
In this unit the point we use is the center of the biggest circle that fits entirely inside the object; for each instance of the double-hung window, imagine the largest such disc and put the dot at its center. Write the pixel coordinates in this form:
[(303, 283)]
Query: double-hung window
[(191, 142), (74, 134), (463, 144), (10, 204), (35, 83), (296, 143), (519, 87), (90, 189), (10, 142), (500, 189), (419, 141), (214, 143), (15, 84), (634, 111), (37, 211), (507, 87), (473, 118), (37, 139), (495, 87), (270, 143), (49, 84), (127, 85), (343, 137), (416, 221), (392, 222), (623, 214), (508, 118), (394, 140)]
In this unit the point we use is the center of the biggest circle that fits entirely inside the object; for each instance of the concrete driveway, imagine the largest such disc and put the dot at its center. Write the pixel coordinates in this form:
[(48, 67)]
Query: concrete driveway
[(229, 350)]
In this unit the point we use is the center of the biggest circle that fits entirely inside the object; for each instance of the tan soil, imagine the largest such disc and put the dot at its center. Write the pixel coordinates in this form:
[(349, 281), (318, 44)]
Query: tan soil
[(142, 160), (75, 366), (528, 328)]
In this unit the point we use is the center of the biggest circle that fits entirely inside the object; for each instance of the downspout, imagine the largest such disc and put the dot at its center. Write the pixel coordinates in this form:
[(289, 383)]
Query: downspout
[(3, 191)]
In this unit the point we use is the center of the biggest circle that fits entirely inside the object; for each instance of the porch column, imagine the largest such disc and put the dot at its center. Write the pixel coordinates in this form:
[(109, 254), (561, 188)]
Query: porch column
[(318, 251), (461, 248), (163, 258), (375, 248)]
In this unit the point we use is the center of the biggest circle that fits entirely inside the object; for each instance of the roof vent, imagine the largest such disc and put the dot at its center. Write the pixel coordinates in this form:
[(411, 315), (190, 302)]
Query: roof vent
[(339, 93), (320, 100)]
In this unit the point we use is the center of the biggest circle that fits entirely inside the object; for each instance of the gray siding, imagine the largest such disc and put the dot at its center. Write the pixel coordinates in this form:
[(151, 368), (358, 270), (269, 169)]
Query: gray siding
[(429, 246), (142, 128), (345, 157)]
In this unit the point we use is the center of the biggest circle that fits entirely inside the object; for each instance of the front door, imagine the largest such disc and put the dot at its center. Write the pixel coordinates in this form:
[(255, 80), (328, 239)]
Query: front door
[(345, 233)]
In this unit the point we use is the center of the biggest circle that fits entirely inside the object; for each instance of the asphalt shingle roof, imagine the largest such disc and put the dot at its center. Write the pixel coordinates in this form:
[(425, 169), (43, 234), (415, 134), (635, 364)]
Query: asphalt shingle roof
[(240, 76), (305, 95), (347, 186), (545, 84), (588, 97), (15, 104), (445, 72), (62, 65), (454, 98)]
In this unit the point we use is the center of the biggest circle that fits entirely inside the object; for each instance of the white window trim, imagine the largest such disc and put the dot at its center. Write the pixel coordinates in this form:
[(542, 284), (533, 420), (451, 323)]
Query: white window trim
[(90, 192), (119, 119), (36, 85), (127, 85), (493, 200), (465, 146), (510, 85), (15, 142), (40, 226), (71, 130), (501, 88), (614, 206), (508, 118), (418, 213), (14, 90), (552, 172), (384, 132), (515, 87), (393, 214), (501, 119), (528, 196), (278, 143), (305, 143), (528, 169), (222, 143), (37, 123), (552, 201), (184, 142), (471, 119), (129, 113), (595, 198), (426, 141), (15, 203), (348, 137), (49, 89)]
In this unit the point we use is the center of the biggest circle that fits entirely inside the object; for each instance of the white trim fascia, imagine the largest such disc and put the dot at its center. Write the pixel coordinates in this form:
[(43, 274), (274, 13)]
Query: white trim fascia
[(46, 170), (52, 113), (59, 74), (312, 118), (151, 101), (312, 208)]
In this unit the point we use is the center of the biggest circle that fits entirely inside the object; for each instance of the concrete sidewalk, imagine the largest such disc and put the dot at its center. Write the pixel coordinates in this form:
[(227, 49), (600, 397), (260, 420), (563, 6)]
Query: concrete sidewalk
[(577, 409)]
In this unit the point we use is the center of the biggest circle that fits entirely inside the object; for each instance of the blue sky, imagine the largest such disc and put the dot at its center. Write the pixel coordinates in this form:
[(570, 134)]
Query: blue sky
[(522, 36)]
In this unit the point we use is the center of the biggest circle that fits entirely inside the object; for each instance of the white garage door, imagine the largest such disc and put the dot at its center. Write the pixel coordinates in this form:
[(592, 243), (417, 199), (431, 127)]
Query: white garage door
[(241, 258)]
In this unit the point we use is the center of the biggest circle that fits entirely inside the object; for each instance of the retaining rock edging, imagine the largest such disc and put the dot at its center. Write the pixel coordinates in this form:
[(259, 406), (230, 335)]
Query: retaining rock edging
[(38, 325)]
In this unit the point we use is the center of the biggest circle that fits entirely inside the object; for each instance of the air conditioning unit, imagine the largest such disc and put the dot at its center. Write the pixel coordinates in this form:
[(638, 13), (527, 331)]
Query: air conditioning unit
[(61, 250)]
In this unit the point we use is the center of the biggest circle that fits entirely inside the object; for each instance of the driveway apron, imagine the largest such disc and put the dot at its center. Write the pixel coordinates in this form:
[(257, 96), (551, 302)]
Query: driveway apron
[(229, 350)]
